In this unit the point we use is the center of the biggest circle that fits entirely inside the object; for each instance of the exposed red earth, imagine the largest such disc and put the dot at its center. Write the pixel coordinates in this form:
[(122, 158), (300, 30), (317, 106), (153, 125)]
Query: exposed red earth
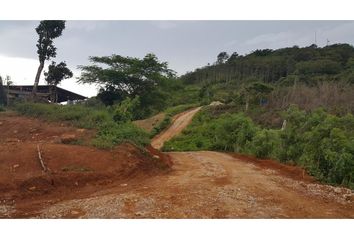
[(85, 182)]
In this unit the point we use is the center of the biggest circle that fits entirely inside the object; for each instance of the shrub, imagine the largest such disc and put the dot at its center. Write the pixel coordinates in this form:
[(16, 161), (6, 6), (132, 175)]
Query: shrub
[(111, 134), (125, 111), (320, 142), (265, 144), (161, 126), (233, 132)]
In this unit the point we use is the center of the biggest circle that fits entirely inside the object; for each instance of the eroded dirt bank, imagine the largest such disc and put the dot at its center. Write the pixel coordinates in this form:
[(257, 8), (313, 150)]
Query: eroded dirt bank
[(72, 171), (201, 184)]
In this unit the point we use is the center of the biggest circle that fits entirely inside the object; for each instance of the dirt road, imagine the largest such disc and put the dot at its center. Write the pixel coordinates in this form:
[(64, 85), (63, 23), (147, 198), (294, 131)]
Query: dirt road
[(214, 185), (201, 184), (179, 122)]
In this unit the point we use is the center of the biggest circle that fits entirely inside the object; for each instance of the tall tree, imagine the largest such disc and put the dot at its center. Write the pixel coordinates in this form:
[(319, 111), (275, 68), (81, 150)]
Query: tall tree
[(121, 77), (222, 57), (47, 31), (131, 76), (56, 73), (233, 57)]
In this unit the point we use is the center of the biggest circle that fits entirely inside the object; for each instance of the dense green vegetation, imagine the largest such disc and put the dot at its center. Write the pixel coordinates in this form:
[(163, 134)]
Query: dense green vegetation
[(227, 79), (320, 142), (109, 131), (112, 133), (147, 79)]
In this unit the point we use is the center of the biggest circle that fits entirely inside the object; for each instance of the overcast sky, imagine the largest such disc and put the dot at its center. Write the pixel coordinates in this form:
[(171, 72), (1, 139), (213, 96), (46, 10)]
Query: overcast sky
[(185, 45)]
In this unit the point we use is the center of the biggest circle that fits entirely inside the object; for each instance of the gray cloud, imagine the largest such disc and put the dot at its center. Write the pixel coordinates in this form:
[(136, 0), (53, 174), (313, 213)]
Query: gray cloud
[(184, 44)]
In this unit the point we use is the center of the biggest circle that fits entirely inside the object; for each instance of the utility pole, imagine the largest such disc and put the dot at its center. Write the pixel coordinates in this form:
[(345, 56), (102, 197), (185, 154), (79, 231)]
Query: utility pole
[(315, 38), (327, 42)]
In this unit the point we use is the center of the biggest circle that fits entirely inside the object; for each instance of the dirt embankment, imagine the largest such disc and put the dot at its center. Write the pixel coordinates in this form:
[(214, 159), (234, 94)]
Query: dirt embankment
[(201, 184), (149, 124), (74, 171)]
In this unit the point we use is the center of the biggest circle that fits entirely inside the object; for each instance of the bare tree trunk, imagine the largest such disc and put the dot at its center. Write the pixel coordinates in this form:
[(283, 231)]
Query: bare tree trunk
[(247, 102), (36, 81)]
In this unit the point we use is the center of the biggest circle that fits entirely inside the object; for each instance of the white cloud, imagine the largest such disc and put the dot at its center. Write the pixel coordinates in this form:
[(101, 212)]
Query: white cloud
[(19, 69)]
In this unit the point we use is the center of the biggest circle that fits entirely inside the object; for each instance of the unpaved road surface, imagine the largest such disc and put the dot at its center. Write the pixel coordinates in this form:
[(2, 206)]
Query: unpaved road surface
[(179, 122), (206, 184), (214, 185)]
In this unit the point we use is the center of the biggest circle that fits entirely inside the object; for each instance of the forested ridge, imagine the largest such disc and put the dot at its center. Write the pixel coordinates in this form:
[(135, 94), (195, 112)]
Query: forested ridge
[(311, 63), (311, 66)]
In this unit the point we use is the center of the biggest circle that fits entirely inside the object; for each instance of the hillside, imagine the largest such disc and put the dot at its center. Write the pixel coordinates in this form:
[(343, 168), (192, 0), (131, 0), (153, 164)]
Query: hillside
[(285, 76), (294, 104)]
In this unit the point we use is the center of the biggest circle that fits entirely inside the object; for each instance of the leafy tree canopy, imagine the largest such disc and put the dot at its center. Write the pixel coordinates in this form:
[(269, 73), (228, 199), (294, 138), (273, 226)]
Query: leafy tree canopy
[(57, 72), (128, 75), (47, 31), (222, 57)]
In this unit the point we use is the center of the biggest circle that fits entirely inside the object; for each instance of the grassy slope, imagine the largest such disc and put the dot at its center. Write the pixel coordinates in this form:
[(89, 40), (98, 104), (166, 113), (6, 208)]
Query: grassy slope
[(109, 133)]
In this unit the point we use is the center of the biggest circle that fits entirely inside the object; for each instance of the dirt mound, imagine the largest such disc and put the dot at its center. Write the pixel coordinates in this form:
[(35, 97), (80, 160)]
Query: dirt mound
[(74, 171), (14, 128)]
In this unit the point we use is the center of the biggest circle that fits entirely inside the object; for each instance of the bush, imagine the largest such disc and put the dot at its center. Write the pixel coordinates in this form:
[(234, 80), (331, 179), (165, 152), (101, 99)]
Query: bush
[(233, 132), (111, 134), (126, 110), (265, 144), (165, 123), (78, 115)]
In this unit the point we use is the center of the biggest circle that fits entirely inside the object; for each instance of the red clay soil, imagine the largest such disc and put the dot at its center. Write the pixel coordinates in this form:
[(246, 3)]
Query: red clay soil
[(294, 172), (74, 171), (84, 182)]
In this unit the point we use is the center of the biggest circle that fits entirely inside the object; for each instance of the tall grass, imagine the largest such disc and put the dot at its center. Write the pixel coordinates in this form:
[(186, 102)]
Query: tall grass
[(109, 132)]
